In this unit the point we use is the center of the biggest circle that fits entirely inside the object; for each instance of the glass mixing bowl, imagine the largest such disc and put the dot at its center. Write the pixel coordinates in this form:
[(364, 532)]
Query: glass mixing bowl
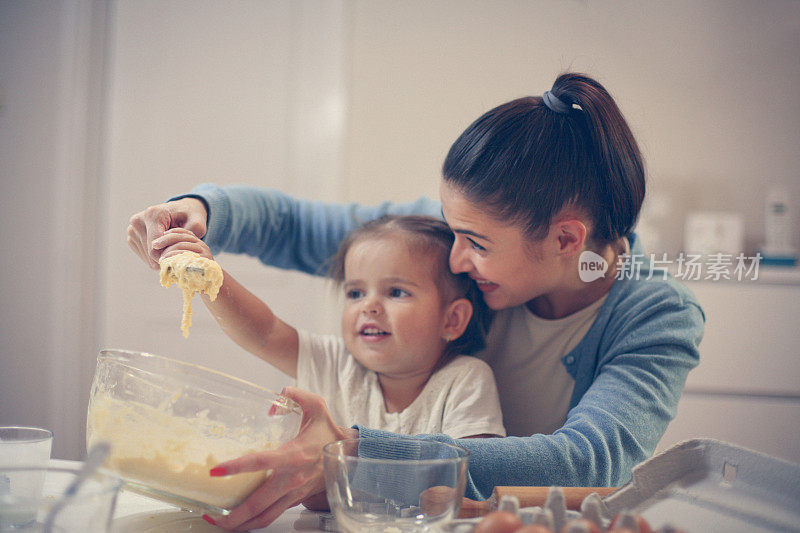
[(170, 422), (402, 485)]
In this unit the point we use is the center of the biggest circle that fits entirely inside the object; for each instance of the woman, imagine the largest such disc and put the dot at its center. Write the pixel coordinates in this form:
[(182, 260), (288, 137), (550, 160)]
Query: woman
[(590, 364)]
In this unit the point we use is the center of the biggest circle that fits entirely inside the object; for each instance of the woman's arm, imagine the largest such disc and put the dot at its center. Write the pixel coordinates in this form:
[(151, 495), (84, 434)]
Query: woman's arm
[(618, 421), (284, 231), (614, 426), (280, 230)]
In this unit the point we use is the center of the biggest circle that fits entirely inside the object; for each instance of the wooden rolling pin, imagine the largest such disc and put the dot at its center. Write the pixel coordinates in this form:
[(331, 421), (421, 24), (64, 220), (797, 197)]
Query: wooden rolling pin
[(529, 497)]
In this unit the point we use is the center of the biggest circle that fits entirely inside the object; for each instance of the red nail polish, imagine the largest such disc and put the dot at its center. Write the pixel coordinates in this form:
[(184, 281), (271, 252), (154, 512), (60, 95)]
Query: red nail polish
[(273, 410), (209, 520), (218, 471)]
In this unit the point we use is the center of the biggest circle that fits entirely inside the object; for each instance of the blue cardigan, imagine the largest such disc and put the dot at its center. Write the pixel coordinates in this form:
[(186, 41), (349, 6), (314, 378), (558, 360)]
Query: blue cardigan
[(629, 369)]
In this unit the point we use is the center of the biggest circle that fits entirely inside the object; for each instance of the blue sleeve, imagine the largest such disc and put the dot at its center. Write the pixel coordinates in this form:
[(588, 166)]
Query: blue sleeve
[(288, 232), (649, 345), (647, 352)]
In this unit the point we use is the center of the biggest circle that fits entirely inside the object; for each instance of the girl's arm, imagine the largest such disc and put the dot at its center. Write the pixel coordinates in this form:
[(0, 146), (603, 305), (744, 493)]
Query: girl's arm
[(242, 316), (251, 324)]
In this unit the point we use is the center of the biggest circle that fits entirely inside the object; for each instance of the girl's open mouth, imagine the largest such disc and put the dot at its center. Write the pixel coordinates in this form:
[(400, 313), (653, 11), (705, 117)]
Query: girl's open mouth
[(371, 331)]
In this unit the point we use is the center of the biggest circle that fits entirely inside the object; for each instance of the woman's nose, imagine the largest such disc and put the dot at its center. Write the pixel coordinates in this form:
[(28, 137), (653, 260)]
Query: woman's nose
[(458, 258)]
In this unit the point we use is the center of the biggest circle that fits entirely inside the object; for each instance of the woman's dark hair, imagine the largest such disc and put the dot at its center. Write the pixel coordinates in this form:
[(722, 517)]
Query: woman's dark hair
[(524, 161), (429, 236)]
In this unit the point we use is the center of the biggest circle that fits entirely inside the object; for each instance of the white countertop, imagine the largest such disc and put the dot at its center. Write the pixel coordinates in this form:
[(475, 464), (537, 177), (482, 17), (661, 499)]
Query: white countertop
[(139, 514)]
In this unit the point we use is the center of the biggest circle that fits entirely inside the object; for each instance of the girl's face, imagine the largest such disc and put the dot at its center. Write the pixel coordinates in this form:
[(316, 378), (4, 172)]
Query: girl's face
[(509, 269), (394, 314)]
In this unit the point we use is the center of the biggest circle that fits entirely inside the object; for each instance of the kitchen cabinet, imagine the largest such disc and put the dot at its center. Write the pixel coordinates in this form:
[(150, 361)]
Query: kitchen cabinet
[(746, 389)]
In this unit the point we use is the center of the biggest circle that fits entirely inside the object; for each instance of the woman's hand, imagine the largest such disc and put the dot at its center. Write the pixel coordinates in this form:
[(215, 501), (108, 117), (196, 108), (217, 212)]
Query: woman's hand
[(148, 225), (177, 240), (297, 470)]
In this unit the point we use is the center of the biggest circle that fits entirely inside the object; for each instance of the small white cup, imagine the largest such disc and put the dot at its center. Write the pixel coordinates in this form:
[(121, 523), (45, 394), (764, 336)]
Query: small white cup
[(22, 447)]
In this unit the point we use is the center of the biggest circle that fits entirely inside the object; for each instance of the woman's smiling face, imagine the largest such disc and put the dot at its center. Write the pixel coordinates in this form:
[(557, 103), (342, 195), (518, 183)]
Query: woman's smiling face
[(509, 268)]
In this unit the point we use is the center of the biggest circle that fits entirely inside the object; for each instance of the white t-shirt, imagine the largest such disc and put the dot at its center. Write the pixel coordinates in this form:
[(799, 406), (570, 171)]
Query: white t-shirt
[(525, 352), (459, 400)]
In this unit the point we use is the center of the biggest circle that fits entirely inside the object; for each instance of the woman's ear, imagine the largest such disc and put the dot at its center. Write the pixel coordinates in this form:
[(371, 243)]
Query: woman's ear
[(571, 235), (456, 319)]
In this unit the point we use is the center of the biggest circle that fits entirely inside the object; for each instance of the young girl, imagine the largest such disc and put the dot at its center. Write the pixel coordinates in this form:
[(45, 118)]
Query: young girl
[(407, 322)]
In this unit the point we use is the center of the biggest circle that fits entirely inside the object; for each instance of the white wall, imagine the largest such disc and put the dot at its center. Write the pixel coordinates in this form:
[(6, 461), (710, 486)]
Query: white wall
[(229, 93), (51, 73), (110, 107), (233, 92), (709, 89), (25, 191)]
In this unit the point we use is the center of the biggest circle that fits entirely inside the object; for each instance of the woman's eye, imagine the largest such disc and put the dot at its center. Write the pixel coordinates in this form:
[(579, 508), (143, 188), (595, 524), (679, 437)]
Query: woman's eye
[(353, 294), (398, 293), (475, 246)]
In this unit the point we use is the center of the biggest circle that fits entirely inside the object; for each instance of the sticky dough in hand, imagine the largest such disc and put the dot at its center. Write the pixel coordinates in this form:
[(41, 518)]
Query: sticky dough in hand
[(192, 273)]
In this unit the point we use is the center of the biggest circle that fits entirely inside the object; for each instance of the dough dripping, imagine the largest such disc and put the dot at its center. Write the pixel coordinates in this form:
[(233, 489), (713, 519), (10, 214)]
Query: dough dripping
[(193, 273)]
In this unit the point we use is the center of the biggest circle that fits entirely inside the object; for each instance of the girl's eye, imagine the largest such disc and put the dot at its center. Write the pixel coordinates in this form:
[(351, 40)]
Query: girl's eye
[(475, 245), (353, 294), (398, 293)]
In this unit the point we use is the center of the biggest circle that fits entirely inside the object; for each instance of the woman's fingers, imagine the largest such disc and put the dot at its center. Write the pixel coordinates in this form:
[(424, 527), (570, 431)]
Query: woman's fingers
[(157, 220), (313, 406), (181, 231), (198, 248), (272, 512), (296, 466), (174, 236), (265, 504), (137, 237), (253, 462), (317, 502), (137, 249), (148, 225), (145, 226)]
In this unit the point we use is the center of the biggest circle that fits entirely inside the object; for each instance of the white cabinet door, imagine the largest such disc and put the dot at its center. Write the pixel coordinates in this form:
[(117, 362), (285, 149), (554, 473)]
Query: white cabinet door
[(752, 339), (746, 389), (767, 425)]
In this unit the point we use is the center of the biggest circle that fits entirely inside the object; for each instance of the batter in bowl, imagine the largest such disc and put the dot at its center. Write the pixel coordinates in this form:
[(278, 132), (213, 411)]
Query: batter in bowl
[(156, 448)]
